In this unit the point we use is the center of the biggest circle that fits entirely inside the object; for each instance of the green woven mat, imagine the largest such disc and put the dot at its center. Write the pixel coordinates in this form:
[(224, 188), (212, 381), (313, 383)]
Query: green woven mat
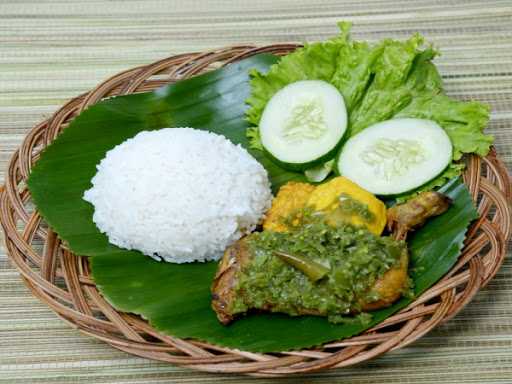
[(52, 50)]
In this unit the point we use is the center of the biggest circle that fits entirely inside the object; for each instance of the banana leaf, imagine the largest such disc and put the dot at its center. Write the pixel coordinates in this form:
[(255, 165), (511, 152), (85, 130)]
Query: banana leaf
[(175, 298), (213, 101)]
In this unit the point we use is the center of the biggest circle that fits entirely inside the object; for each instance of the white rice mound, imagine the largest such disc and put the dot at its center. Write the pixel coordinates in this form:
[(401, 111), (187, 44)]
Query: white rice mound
[(178, 194)]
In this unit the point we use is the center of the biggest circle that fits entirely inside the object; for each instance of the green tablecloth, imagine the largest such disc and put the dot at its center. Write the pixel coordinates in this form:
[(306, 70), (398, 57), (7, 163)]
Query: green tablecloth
[(51, 50)]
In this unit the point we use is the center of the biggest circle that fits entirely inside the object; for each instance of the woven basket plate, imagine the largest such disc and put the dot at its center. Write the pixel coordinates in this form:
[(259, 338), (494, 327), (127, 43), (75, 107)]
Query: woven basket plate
[(62, 280)]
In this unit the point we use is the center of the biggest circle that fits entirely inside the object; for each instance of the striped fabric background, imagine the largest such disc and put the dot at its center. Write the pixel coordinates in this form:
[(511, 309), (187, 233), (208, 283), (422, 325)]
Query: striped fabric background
[(52, 50)]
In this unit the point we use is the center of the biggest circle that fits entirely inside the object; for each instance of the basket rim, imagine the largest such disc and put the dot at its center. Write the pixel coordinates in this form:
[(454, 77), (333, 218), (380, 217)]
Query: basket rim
[(81, 305)]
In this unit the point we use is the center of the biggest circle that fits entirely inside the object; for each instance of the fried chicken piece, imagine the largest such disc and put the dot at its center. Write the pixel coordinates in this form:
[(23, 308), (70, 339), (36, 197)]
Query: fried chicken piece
[(230, 300), (403, 218), (406, 217), (223, 288), (390, 286), (290, 199)]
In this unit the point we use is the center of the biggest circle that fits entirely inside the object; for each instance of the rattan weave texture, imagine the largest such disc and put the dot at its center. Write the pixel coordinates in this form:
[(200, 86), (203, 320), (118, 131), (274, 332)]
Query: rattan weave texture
[(62, 280)]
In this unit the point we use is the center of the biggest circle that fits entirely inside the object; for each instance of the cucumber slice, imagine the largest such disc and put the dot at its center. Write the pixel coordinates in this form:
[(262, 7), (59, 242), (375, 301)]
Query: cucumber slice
[(395, 156), (303, 123)]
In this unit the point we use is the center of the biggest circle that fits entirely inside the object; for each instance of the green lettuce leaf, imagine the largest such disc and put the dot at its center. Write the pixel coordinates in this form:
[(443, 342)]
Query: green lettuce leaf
[(354, 70), (388, 93), (378, 82), (313, 61), (253, 135), (463, 121)]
